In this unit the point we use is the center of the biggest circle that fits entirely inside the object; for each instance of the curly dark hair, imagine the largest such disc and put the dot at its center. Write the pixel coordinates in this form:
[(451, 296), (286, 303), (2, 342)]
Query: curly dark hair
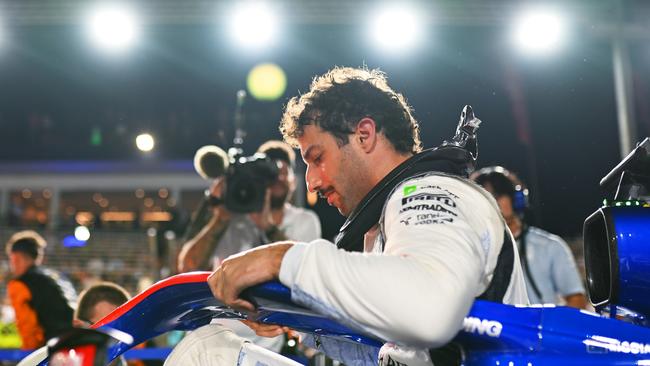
[(341, 97)]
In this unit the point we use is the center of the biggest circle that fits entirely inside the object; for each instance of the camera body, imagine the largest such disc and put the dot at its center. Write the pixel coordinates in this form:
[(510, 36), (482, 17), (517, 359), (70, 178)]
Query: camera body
[(247, 179)]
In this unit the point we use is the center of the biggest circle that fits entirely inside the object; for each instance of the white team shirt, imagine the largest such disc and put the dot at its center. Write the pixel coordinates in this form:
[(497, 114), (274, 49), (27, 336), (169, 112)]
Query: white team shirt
[(433, 252)]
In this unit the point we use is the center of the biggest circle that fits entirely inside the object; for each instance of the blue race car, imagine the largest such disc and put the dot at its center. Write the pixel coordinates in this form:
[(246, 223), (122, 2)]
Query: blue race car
[(617, 258)]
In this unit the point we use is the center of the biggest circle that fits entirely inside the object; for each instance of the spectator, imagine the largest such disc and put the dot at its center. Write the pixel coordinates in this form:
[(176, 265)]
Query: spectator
[(98, 301), (42, 299), (94, 304)]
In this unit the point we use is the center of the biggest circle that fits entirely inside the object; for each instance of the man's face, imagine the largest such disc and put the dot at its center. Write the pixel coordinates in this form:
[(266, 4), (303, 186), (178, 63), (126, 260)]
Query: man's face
[(336, 173), (283, 186), (100, 310), (507, 211), (19, 263)]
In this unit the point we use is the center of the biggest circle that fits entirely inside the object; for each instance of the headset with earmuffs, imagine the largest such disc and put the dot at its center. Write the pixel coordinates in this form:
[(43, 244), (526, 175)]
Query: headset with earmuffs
[(503, 182), (516, 189)]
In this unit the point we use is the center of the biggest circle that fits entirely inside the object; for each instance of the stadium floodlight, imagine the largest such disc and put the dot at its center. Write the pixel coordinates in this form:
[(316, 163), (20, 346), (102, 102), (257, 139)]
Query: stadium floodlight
[(81, 233), (395, 27), (112, 27), (145, 142), (539, 31), (254, 24)]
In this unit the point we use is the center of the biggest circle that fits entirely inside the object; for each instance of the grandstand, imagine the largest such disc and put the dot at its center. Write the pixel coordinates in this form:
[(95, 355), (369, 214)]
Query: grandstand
[(134, 213)]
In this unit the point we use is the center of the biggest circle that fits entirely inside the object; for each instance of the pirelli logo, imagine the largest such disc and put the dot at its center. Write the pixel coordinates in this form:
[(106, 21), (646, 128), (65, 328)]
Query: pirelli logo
[(417, 198)]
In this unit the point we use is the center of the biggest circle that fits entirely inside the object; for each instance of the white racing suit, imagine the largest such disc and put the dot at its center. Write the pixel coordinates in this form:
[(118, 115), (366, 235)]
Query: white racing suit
[(433, 252)]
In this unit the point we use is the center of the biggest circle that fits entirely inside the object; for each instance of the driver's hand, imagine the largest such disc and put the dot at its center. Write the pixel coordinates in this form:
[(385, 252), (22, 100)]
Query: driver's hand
[(266, 330), (244, 270)]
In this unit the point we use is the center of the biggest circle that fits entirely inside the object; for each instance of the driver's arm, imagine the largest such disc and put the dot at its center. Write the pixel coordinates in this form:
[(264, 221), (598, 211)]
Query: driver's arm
[(421, 287)]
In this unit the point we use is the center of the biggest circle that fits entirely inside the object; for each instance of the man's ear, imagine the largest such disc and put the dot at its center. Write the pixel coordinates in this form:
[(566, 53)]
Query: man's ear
[(366, 134)]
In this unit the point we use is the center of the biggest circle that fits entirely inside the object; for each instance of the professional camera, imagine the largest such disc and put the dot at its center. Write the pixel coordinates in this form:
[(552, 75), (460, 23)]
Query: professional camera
[(247, 177), (247, 181)]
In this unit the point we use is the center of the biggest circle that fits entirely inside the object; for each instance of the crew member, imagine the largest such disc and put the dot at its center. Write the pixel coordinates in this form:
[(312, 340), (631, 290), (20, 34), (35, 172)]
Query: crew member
[(549, 267)]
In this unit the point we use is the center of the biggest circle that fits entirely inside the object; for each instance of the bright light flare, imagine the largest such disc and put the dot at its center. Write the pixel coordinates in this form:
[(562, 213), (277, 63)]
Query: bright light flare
[(539, 31), (266, 82), (145, 142), (81, 233), (112, 27), (254, 24), (396, 28)]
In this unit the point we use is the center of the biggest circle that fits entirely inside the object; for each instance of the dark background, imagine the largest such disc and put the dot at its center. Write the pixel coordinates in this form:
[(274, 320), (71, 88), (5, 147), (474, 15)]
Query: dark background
[(180, 84)]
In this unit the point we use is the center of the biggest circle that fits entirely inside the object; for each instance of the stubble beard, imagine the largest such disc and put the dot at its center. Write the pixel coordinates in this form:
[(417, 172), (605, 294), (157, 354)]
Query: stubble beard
[(355, 178)]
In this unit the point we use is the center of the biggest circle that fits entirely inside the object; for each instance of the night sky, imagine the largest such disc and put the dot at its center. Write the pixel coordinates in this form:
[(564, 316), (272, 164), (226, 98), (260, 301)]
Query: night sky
[(180, 85)]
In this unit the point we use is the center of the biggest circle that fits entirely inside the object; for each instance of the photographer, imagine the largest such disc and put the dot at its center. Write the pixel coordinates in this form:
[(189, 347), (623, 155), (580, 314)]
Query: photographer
[(228, 233)]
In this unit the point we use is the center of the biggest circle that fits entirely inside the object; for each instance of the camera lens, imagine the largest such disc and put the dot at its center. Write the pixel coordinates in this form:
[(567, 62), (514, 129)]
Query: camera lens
[(247, 181), (245, 193)]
